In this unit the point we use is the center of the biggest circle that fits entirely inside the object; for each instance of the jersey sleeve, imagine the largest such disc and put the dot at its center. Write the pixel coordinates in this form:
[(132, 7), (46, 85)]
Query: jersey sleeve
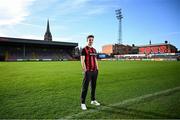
[(83, 52)]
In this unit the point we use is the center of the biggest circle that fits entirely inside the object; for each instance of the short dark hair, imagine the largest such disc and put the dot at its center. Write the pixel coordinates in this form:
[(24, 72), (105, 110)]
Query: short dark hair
[(90, 36)]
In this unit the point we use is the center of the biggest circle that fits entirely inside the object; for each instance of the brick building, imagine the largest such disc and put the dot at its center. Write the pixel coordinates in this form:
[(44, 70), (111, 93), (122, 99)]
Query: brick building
[(157, 48), (119, 49)]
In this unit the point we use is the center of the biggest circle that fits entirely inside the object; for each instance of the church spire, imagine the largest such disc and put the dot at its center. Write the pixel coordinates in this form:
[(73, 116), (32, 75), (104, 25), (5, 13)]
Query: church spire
[(48, 36)]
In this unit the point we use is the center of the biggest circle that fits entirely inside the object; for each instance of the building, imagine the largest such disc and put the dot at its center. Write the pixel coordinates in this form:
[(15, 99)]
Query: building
[(157, 48), (119, 49), (107, 49), (19, 49)]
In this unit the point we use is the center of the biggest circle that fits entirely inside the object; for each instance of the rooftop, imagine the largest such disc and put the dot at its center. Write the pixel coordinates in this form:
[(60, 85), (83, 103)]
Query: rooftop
[(35, 41)]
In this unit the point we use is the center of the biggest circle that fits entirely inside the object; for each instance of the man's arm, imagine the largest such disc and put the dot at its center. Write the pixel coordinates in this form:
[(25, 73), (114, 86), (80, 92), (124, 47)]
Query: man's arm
[(83, 63), (97, 63)]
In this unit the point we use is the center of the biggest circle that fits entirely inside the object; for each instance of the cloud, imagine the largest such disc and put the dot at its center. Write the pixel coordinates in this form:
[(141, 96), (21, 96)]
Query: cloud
[(72, 38), (35, 37), (173, 33), (13, 11), (169, 35), (31, 25), (69, 6), (83, 7), (64, 13)]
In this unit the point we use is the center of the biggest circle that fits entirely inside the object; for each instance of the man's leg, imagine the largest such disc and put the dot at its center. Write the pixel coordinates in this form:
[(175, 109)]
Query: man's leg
[(93, 85), (85, 85)]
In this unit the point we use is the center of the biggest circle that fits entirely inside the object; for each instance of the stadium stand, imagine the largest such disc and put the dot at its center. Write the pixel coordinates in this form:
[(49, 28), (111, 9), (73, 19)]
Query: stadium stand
[(19, 49), (16, 49)]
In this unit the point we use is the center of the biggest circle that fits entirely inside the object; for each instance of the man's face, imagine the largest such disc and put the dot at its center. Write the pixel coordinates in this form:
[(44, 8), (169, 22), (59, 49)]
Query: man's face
[(90, 41)]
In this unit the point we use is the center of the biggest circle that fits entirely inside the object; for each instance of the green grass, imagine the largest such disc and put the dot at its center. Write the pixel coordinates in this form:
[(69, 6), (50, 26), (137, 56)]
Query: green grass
[(52, 89)]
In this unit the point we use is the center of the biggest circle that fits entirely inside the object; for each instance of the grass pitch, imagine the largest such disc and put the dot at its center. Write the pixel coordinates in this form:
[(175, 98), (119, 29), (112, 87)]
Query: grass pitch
[(52, 89)]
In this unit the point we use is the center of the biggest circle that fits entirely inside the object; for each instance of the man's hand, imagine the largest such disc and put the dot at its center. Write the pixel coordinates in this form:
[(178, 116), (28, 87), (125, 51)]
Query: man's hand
[(83, 64), (84, 69), (97, 64)]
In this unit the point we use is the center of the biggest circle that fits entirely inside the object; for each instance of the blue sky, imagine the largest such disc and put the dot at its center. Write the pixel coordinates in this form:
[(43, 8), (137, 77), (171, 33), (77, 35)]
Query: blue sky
[(73, 20)]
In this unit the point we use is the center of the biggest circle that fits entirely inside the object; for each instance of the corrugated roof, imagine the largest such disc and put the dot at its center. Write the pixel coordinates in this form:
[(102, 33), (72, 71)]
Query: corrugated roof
[(34, 41)]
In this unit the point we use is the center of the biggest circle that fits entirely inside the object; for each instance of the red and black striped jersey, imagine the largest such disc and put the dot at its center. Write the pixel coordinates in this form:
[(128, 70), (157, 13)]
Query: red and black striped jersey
[(90, 55)]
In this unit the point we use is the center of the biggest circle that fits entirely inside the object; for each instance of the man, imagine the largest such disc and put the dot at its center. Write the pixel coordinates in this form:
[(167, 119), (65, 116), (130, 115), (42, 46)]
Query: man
[(90, 69)]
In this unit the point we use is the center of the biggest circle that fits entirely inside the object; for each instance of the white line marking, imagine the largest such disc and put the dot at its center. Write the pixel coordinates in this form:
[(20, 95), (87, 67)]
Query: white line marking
[(125, 102)]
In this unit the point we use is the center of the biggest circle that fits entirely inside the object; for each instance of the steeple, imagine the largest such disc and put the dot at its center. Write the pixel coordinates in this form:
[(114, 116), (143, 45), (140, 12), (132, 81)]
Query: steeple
[(48, 36)]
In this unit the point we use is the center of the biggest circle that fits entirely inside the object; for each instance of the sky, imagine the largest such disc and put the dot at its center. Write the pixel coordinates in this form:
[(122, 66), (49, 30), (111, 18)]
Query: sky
[(73, 20)]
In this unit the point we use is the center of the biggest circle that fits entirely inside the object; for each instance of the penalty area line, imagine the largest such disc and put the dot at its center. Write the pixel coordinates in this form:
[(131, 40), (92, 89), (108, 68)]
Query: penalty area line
[(125, 102)]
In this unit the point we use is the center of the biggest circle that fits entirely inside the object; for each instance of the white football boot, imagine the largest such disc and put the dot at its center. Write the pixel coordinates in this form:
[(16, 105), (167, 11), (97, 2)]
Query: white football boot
[(95, 103), (83, 107)]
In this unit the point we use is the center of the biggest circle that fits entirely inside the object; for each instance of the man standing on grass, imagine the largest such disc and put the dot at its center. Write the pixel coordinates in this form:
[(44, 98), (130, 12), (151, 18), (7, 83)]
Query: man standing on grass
[(90, 69)]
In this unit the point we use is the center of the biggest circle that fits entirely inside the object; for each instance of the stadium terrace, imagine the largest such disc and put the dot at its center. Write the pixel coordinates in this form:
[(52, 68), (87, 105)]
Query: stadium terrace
[(19, 49)]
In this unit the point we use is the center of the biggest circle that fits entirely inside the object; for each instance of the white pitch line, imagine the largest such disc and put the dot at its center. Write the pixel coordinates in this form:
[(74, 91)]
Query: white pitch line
[(125, 102)]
